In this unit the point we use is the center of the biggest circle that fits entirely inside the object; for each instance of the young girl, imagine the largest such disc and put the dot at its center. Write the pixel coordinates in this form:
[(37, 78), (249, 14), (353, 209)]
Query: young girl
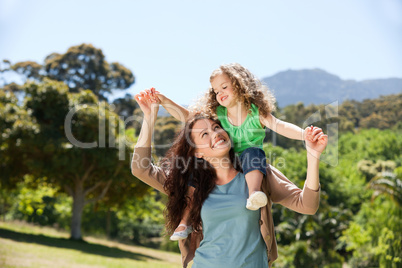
[(243, 105)]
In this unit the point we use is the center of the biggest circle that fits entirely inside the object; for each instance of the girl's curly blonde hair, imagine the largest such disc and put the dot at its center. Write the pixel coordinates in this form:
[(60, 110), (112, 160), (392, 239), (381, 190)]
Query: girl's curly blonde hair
[(247, 88)]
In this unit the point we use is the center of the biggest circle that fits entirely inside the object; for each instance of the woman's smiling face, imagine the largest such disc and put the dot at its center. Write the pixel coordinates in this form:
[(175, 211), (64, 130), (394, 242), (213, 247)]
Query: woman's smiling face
[(209, 139)]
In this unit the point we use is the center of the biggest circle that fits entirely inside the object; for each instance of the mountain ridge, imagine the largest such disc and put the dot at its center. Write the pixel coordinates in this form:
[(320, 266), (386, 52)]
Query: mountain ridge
[(316, 86)]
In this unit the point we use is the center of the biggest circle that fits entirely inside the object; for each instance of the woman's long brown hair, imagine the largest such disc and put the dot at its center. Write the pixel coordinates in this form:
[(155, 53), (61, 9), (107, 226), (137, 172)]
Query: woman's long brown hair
[(181, 166)]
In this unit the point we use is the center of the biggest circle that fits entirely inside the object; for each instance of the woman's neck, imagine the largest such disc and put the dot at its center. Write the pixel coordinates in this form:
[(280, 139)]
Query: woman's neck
[(224, 169), (237, 113)]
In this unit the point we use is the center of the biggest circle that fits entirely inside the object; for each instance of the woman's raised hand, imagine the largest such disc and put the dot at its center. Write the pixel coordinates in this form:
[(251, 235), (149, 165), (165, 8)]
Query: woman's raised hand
[(148, 101), (316, 141)]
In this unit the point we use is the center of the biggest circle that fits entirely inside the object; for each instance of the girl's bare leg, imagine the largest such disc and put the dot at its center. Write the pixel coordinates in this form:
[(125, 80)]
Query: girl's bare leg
[(256, 198), (254, 180)]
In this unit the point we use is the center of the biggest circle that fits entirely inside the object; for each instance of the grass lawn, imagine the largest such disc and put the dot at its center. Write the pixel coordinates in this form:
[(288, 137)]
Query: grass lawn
[(24, 245)]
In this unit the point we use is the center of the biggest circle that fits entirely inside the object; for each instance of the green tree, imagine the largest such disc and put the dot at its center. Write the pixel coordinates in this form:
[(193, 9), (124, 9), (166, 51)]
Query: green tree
[(81, 67), (381, 113), (36, 200), (375, 234), (165, 132), (80, 146), (18, 129), (388, 183), (142, 219), (125, 108)]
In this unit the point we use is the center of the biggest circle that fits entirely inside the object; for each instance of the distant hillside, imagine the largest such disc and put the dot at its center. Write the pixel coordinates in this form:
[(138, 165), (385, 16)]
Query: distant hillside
[(163, 112), (319, 87)]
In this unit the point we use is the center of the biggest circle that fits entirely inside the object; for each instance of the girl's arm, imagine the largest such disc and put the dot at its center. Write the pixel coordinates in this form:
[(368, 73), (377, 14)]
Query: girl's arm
[(283, 128), (141, 164), (174, 109)]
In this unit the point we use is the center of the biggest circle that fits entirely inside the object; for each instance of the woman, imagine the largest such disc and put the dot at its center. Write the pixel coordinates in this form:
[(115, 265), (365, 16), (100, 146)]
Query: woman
[(231, 235)]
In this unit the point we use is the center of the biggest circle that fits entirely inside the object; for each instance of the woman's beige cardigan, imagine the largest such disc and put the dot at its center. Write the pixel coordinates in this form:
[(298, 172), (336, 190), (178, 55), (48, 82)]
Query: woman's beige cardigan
[(276, 186)]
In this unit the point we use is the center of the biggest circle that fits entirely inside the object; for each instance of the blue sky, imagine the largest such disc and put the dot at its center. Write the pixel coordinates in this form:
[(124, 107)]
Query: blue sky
[(175, 45)]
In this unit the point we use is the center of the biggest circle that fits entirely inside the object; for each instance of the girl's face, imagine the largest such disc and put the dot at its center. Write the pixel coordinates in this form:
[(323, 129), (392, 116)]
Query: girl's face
[(222, 86), (210, 140)]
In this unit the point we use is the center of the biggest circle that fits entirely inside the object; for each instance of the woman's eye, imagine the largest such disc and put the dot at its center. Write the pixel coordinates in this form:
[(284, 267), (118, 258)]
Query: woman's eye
[(224, 87), (203, 134), (217, 127)]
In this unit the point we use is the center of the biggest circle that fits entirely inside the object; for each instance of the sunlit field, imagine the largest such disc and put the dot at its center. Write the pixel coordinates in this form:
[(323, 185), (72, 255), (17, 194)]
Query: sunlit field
[(24, 245)]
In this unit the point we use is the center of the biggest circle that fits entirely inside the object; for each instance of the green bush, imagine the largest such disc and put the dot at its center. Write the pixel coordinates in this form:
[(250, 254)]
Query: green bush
[(36, 201)]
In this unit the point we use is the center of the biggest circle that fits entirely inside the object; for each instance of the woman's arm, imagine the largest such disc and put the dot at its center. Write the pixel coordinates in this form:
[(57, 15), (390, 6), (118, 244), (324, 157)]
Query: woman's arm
[(143, 169), (284, 192), (283, 128), (314, 148), (141, 164)]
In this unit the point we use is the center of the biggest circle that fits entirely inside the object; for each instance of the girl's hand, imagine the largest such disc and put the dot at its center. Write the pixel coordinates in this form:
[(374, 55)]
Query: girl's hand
[(151, 95), (162, 98), (155, 96), (316, 141), (148, 102), (308, 133), (312, 133)]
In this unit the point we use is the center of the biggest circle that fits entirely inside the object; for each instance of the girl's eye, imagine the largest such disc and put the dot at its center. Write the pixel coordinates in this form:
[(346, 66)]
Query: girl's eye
[(217, 127), (224, 87), (203, 135)]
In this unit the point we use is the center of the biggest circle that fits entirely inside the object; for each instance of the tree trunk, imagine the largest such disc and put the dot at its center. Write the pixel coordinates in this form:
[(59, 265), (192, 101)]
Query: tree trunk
[(108, 222), (78, 207)]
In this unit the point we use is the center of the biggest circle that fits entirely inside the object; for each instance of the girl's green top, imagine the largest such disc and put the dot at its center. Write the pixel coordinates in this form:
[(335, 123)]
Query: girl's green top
[(249, 134)]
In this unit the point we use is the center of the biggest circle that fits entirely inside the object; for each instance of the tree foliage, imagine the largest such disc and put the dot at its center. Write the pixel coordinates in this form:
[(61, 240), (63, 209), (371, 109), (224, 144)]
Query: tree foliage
[(37, 201), (81, 67), (78, 144), (349, 116), (166, 129), (18, 129), (332, 235), (375, 234), (125, 108), (387, 183)]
